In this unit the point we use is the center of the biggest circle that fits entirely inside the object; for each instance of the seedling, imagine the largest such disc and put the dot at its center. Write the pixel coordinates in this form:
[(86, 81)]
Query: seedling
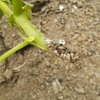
[(19, 13)]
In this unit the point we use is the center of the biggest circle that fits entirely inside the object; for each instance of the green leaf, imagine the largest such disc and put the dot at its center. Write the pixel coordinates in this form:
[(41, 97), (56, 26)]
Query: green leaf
[(26, 3), (27, 11)]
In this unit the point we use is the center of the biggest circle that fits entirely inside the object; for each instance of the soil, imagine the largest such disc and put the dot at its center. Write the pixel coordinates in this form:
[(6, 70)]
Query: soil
[(33, 74)]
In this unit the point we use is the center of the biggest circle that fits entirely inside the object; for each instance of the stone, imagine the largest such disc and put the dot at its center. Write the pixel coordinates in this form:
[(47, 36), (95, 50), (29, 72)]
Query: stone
[(61, 7), (97, 74), (73, 1), (2, 79), (79, 4), (43, 9), (47, 63), (79, 90), (8, 73), (60, 97), (34, 96), (55, 87), (42, 87)]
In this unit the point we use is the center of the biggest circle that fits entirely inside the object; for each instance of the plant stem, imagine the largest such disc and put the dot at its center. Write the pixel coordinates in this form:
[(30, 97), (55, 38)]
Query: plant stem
[(17, 6), (30, 30), (22, 21), (13, 50), (4, 7)]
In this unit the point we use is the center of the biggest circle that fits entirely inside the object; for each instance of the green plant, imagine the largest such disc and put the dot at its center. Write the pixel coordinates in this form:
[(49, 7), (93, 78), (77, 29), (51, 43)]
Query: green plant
[(19, 13)]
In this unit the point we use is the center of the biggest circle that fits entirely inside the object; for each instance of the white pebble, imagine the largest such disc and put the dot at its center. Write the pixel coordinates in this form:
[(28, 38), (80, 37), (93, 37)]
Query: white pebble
[(62, 41), (61, 7), (75, 7)]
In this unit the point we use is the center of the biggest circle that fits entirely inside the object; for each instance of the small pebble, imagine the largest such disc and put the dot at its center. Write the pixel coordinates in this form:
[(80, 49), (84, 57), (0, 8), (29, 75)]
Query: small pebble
[(2, 79), (97, 74), (43, 9), (55, 87), (75, 7), (73, 1), (60, 97), (62, 41), (42, 87), (79, 90), (34, 96), (8, 73), (61, 7), (54, 71), (79, 4), (47, 63)]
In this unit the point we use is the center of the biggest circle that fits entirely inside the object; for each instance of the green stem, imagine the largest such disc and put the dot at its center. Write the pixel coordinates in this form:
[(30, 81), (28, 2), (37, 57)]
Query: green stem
[(17, 6), (4, 7), (22, 21), (13, 50), (30, 30)]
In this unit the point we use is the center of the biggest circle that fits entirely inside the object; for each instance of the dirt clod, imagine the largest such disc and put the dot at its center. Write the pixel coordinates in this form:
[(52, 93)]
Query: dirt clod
[(8, 73)]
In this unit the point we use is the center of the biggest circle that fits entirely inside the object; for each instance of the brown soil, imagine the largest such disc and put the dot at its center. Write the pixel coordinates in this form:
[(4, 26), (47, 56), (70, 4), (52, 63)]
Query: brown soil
[(44, 76)]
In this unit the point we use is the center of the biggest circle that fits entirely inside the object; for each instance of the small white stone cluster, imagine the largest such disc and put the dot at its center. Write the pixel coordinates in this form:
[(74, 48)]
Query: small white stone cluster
[(61, 51)]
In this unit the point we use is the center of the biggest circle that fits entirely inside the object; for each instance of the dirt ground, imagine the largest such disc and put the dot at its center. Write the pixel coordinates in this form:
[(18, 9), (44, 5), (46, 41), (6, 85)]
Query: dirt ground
[(43, 75)]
